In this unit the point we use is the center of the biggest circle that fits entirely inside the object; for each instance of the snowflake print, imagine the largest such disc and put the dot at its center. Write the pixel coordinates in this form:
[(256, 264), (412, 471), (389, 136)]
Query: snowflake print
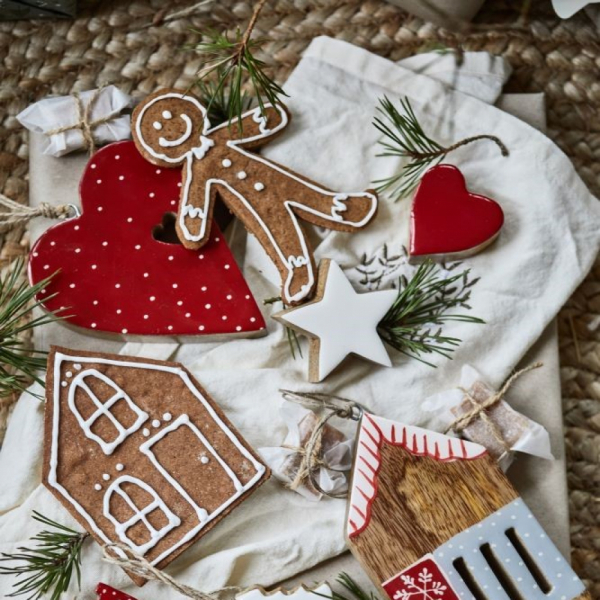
[(421, 581)]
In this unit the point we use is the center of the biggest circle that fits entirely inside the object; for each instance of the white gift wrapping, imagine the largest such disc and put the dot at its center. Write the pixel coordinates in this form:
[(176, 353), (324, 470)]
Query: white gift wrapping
[(544, 251), (50, 114), (332, 475), (533, 438)]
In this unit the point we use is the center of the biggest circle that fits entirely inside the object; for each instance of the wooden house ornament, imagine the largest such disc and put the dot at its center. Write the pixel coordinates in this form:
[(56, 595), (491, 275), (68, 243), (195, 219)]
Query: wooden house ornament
[(140, 454), (432, 517)]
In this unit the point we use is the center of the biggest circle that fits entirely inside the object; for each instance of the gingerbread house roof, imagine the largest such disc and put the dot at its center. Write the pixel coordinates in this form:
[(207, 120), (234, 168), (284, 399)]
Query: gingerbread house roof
[(374, 432)]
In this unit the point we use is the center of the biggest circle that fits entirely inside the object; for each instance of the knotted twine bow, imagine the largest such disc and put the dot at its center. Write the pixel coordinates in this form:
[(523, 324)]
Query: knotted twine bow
[(84, 122), (138, 565), (18, 214), (311, 453), (479, 410)]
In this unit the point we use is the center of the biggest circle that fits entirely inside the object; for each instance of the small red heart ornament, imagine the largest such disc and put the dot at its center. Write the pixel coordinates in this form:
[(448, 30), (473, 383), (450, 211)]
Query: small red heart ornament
[(113, 275), (448, 221), (105, 592)]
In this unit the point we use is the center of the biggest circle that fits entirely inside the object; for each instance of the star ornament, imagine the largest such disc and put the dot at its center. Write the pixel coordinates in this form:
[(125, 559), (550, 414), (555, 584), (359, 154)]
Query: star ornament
[(339, 322)]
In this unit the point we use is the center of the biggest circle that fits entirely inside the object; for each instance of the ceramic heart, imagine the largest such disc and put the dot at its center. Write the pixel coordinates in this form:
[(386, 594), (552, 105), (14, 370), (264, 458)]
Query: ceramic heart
[(448, 221), (114, 276)]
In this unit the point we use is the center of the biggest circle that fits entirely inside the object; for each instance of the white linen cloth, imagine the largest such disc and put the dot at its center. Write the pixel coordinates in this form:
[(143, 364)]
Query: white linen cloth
[(545, 249)]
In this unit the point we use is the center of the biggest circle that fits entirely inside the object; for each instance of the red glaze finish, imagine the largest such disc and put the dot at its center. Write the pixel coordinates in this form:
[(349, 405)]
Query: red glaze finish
[(115, 277), (105, 592), (447, 219)]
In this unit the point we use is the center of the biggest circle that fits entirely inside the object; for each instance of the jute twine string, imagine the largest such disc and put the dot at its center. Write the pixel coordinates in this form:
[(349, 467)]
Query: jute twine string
[(479, 410), (138, 565), (84, 122), (311, 453), (18, 214)]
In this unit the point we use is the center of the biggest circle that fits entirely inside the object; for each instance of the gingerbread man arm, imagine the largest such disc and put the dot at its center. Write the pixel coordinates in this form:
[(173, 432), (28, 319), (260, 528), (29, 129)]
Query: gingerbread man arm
[(258, 128)]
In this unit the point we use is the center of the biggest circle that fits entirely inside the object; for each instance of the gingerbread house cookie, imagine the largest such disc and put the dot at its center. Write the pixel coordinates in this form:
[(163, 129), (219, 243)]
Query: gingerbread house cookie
[(140, 454)]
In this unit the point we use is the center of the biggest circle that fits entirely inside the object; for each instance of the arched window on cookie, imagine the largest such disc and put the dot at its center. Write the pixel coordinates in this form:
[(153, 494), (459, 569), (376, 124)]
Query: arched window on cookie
[(140, 516), (104, 411)]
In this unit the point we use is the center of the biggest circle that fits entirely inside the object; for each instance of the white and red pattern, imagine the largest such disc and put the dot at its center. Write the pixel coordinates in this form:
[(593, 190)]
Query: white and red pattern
[(105, 592), (420, 442), (423, 580)]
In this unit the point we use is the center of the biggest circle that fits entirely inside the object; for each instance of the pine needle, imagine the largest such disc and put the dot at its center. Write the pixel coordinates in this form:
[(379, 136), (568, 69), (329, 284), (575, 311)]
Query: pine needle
[(292, 336), (405, 138), (49, 566), (18, 364), (234, 64), (355, 590), (423, 303)]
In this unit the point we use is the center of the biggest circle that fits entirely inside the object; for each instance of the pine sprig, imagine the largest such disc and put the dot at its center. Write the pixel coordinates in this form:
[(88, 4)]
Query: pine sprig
[(292, 336), (19, 365), (234, 63), (422, 303), (355, 590), (49, 566), (405, 138)]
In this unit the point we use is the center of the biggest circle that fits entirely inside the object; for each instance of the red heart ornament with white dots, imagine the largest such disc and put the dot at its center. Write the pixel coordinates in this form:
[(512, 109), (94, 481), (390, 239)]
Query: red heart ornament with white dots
[(105, 592), (111, 273)]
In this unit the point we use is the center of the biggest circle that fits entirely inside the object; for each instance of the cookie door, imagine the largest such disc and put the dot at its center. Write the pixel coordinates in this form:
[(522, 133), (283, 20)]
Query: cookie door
[(188, 461)]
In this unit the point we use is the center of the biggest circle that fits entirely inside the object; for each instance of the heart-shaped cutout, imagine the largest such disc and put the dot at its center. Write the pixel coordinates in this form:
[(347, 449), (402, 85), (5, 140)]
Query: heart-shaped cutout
[(448, 221), (114, 276)]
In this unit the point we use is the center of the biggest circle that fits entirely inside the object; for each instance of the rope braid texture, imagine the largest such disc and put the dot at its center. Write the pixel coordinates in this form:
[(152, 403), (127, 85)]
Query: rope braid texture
[(122, 556)]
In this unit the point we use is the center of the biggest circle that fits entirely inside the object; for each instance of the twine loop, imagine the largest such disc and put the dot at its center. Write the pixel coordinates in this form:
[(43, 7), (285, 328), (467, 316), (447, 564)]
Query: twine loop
[(311, 453), (138, 565), (84, 122), (479, 410), (18, 214)]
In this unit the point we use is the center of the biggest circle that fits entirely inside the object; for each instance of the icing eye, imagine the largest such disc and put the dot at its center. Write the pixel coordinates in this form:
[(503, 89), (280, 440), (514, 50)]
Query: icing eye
[(157, 125), (167, 114)]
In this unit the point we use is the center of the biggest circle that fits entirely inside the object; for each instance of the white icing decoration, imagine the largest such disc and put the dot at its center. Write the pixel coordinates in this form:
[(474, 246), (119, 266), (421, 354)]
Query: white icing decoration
[(139, 515), (119, 467), (167, 417), (204, 460), (344, 321), (205, 145), (106, 476), (226, 163), (242, 175), (157, 125), (259, 187), (373, 432), (59, 357), (146, 431), (97, 487), (103, 410), (289, 204), (167, 114), (203, 516), (165, 143), (261, 119), (156, 423)]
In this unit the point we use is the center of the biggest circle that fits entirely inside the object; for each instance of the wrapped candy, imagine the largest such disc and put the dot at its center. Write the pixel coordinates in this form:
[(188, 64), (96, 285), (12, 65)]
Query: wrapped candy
[(480, 414), (80, 120), (287, 462)]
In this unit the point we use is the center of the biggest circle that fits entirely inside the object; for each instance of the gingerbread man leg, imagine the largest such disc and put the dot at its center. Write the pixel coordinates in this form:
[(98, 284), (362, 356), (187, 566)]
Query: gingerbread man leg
[(282, 237)]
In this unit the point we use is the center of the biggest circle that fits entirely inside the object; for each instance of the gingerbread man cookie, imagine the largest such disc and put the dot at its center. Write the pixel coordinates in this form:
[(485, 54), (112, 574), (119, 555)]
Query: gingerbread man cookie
[(170, 128)]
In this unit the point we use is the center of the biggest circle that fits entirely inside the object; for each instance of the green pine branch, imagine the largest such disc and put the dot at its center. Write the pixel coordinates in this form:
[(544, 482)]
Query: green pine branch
[(405, 138), (49, 566), (18, 364), (414, 323), (354, 589), (233, 64)]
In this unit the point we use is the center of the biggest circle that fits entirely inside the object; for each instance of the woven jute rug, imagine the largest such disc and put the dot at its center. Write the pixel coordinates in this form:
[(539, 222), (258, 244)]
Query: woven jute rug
[(137, 45)]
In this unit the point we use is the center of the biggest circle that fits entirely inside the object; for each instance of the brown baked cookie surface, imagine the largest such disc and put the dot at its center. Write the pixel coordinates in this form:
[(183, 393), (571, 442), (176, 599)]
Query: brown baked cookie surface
[(170, 129), (140, 454)]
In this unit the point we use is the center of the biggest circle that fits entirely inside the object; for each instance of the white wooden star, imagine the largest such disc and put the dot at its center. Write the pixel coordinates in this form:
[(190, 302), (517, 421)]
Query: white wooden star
[(567, 8), (339, 322)]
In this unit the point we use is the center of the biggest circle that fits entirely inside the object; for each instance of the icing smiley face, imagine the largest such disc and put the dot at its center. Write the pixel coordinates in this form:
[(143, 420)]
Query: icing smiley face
[(168, 126)]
